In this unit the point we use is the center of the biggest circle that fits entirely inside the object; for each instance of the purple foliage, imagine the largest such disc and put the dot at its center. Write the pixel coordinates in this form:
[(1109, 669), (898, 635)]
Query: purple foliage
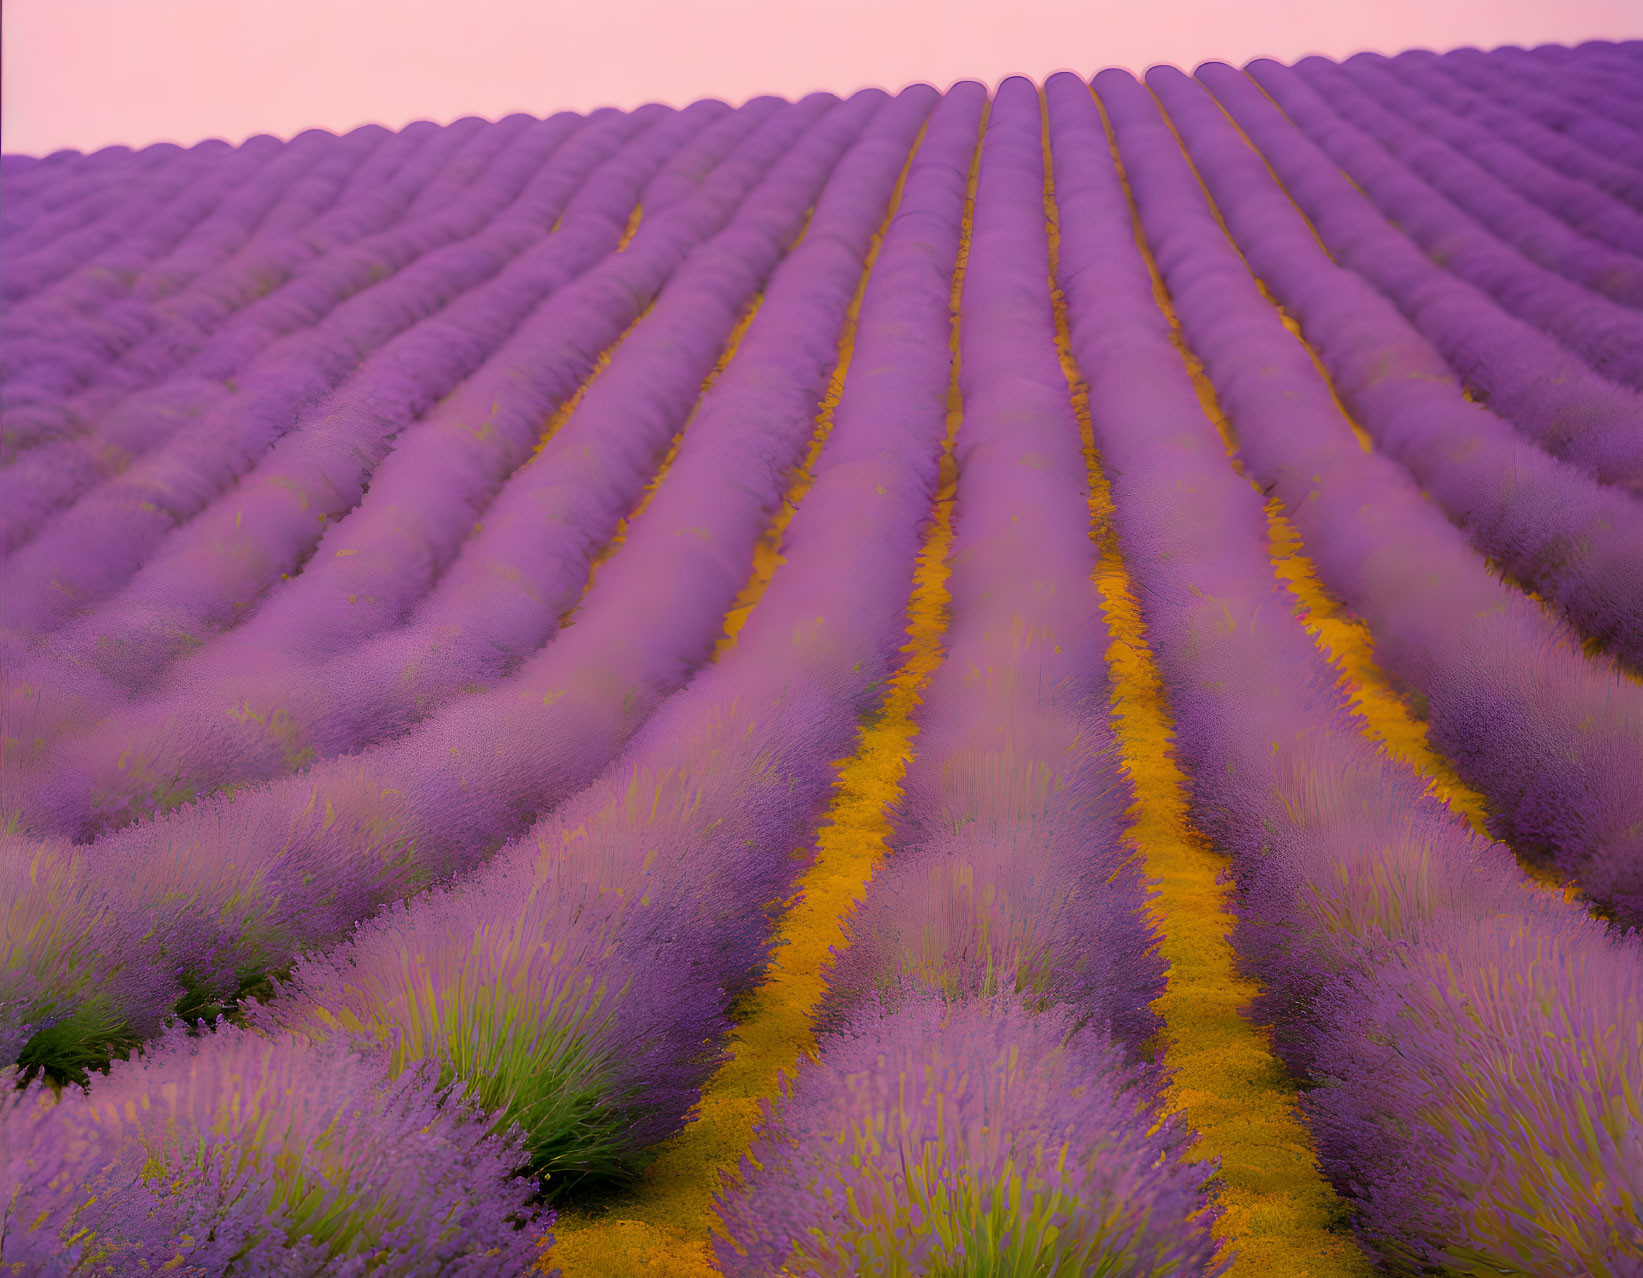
[(207, 335), (51, 181), (1509, 1047), (80, 202), (1515, 369), (248, 1155), (611, 939), (468, 774), (1007, 865), (164, 322), (1004, 943), (421, 330), (62, 355), (70, 308), (1349, 877), (1588, 213), (1576, 543), (55, 245), (1530, 97), (1426, 71), (246, 880), (296, 679), (1473, 191), (256, 244), (52, 919), (977, 1137), (1610, 102), (1553, 739), (53, 687), (1605, 334), (1605, 68)]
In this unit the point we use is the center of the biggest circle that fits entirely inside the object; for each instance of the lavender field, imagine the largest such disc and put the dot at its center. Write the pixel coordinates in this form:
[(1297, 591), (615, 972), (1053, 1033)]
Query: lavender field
[(1045, 682)]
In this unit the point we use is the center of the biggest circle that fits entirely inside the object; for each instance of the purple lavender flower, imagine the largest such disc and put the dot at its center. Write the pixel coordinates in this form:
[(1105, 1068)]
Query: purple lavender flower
[(240, 1154), (978, 1137)]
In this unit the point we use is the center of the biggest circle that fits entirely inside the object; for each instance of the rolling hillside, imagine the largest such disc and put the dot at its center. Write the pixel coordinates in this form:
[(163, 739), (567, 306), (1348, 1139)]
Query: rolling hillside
[(1045, 681)]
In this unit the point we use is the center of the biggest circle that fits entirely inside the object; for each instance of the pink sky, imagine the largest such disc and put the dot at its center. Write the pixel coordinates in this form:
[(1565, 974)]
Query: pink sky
[(86, 73)]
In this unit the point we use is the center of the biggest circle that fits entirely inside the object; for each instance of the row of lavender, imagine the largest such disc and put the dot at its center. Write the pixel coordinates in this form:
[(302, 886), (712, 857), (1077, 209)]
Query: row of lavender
[(300, 861), (1455, 1020), (1550, 738), (651, 896), (1472, 1041), (981, 1103)]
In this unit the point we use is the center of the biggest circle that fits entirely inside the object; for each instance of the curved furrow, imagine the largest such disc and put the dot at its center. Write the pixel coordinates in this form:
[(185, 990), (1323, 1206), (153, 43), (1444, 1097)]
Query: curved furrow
[(102, 306), (51, 367), (1602, 137), (294, 683), (1550, 737), (230, 263), (419, 333), (1587, 87), (182, 329), (39, 181), (100, 169), (1222, 1073), (151, 177), (983, 1022), (46, 689), (452, 588), (30, 181), (758, 712), (664, 1217), (229, 884), (1604, 67), (271, 175), (1508, 364), (1425, 71), (1404, 959), (245, 243), (1374, 105), (102, 279), (1614, 68), (71, 351), (669, 867), (1544, 523), (32, 273), (1527, 169), (103, 168), (1606, 335)]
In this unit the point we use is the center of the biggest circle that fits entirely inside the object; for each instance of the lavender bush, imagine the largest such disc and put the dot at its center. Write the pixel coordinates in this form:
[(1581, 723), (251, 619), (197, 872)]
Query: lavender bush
[(1603, 333), (247, 1155), (1531, 98), (977, 1138), (1551, 527), (1517, 222), (1588, 213), (1426, 71)]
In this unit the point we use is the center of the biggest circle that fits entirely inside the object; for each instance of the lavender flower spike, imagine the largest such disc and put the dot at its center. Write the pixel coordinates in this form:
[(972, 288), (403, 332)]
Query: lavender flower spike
[(237, 1153)]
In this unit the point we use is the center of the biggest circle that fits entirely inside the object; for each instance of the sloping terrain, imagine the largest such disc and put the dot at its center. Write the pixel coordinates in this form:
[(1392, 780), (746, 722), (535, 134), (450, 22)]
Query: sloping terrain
[(1046, 682)]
